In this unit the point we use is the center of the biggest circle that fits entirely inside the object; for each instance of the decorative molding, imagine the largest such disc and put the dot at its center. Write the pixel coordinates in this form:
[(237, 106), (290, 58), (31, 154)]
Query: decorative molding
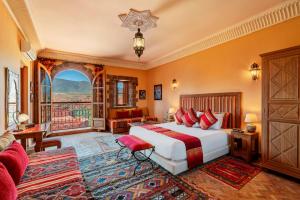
[(278, 14), (74, 57), (19, 12)]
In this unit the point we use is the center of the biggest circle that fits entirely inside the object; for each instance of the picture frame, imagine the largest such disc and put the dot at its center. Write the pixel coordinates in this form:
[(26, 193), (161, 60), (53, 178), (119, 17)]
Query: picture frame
[(142, 94), (12, 98), (158, 92)]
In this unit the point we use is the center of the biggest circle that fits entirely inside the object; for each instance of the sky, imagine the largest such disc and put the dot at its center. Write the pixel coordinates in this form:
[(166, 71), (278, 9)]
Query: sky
[(72, 75)]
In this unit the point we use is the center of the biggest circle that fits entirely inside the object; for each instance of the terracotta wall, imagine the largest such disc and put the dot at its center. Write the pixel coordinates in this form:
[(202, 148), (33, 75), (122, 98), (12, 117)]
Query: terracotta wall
[(140, 74), (223, 68), (10, 55)]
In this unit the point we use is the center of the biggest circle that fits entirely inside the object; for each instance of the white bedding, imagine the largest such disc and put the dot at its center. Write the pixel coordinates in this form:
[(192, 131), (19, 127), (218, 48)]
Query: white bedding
[(173, 149)]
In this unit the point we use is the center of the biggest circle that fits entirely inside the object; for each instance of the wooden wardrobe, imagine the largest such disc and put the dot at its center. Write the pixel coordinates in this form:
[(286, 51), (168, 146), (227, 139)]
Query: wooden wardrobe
[(281, 117)]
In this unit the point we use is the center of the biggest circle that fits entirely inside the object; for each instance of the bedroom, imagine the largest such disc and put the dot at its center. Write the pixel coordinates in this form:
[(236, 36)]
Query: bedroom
[(207, 64)]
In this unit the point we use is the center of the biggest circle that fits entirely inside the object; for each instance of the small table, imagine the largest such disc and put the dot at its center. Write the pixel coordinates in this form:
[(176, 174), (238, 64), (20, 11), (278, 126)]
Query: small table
[(244, 145), (142, 123), (37, 132)]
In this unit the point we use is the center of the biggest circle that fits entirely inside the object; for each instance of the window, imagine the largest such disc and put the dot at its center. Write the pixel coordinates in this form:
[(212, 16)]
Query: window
[(122, 93)]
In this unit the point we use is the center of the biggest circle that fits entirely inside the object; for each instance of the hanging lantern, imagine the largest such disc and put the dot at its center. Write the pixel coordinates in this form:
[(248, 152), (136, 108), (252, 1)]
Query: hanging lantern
[(138, 43)]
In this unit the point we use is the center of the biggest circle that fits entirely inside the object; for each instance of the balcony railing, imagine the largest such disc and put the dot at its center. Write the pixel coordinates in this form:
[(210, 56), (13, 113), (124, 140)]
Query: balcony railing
[(71, 115)]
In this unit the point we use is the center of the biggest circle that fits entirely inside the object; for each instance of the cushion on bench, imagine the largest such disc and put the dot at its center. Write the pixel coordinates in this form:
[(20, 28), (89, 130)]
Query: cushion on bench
[(134, 143)]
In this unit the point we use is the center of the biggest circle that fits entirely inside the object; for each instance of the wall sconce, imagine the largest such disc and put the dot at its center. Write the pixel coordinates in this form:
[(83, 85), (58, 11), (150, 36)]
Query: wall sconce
[(174, 84), (254, 69)]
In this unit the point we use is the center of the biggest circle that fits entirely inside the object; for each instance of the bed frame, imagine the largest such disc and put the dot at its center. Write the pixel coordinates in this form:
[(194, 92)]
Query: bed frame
[(217, 102)]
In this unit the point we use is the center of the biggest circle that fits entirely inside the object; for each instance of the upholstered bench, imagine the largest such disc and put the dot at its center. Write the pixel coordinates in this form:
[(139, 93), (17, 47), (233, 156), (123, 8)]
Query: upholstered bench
[(135, 145), (50, 142)]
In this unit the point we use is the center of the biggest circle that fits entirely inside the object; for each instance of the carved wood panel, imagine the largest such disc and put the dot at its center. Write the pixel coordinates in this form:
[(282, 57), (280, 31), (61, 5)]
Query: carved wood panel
[(283, 141), (283, 111), (284, 78)]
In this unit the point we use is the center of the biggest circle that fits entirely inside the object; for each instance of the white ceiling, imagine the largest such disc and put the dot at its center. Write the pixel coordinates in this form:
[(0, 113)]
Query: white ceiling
[(92, 27)]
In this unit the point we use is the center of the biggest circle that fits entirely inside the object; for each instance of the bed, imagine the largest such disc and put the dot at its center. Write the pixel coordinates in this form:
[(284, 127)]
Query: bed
[(170, 153)]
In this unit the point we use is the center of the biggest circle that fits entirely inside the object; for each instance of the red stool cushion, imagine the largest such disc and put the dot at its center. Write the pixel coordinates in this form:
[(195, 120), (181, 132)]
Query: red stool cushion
[(134, 143)]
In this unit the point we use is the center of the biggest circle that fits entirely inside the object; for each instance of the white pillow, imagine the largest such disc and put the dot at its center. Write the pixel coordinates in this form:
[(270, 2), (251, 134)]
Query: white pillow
[(218, 124), (198, 113)]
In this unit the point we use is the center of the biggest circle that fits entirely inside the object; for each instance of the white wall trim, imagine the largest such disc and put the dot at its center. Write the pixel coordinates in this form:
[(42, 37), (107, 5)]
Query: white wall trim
[(278, 14)]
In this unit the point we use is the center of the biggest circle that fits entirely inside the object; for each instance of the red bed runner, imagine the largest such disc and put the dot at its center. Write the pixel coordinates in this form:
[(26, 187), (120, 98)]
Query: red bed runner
[(192, 144)]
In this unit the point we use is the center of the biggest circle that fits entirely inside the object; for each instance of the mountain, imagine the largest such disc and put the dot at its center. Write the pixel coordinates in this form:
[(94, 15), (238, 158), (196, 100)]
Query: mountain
[(68, 86)]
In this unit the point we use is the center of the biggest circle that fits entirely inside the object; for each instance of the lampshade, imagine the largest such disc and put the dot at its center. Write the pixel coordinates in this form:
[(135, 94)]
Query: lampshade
[(171, 110), (250, 118), (23, 118)]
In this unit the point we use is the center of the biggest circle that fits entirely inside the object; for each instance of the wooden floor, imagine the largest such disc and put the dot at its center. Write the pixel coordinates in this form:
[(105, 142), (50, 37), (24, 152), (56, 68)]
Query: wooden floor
[(265, 185)]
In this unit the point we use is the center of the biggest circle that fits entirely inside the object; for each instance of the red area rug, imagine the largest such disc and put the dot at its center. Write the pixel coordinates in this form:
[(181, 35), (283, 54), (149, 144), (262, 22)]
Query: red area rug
[(232, 171)]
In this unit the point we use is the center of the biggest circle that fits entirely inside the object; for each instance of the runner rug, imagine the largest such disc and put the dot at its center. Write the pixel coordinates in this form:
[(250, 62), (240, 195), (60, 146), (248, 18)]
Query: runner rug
[(232, 171), (107, 178)]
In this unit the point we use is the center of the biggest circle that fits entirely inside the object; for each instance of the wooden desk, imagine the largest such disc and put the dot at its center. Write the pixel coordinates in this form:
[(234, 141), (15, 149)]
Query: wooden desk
[(37, 132)]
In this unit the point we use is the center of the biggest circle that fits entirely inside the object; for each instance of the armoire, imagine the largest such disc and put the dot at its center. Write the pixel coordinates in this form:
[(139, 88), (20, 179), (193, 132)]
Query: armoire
[(280, 111)]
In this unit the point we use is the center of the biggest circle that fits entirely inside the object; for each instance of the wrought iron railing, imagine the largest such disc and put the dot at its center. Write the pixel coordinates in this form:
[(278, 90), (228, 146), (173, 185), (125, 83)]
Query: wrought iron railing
[(71, 115)]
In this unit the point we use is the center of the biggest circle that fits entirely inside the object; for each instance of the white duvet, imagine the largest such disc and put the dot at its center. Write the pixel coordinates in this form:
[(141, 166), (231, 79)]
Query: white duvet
[(174, 149)]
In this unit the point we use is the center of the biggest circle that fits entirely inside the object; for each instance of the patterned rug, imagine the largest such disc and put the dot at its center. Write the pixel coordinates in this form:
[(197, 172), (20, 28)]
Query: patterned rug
[(232, 171), (107, 178)]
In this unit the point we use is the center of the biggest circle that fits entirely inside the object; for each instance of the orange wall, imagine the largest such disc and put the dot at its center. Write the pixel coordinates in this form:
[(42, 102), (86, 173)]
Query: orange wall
[(10, 55), (140, 74), (223, 68)]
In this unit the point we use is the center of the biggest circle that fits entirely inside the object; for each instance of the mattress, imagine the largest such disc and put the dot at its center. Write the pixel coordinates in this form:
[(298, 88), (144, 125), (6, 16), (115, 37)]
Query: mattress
[(174, 149)]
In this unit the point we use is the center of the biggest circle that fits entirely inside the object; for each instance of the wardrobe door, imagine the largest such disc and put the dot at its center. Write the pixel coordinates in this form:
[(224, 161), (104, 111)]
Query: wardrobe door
[(281, 112)]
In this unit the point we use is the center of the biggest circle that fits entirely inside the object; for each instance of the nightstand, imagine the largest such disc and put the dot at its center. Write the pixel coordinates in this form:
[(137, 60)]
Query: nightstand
[(244, 145)]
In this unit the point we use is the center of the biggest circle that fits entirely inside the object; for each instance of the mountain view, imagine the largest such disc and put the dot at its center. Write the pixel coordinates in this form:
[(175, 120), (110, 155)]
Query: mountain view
[(71, 90)]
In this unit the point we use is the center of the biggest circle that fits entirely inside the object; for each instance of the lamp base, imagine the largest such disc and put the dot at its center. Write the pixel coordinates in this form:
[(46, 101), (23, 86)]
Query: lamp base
[(251, 128)]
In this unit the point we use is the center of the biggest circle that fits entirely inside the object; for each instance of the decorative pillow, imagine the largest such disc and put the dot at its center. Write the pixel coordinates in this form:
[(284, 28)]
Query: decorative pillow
[(218, 124), (123, 114), (189, 118), (226, 120), (207, 120), (178, 115), (5, 140), (15, 159), (137, 113), (8, 190)]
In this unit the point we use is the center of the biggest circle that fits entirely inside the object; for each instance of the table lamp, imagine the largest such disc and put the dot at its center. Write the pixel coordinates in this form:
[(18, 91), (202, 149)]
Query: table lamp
[(22, 118), (250, 119)]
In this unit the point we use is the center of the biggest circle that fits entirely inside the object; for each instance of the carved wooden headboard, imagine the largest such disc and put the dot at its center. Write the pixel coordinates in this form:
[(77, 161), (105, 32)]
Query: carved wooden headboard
[(217, 102)]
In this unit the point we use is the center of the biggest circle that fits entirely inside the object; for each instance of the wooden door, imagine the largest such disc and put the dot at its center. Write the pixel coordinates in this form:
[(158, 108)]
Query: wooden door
[(281, 103), (98, 103)]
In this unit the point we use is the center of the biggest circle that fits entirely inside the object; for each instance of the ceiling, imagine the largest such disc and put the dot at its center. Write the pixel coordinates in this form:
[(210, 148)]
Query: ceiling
[(92, 27)]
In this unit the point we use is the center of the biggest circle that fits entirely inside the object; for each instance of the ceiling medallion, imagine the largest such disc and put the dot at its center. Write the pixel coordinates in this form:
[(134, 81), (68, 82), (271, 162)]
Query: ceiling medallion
[(140, 21)]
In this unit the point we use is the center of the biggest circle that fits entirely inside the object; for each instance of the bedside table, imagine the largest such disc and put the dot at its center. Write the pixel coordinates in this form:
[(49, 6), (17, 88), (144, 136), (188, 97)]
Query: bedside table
[(244, 145)]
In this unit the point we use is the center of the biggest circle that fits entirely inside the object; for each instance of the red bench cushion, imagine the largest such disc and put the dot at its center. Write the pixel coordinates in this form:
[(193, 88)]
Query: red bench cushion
[(8, 190), (134, 143), (15, 159)]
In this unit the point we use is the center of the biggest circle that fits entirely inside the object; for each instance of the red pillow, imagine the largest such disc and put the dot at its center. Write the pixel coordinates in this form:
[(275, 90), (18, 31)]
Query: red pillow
[(122, 114), (189, 118), (137, 113), (226, 120), (178, 115), (15, 159), (207, 120), (8, 190)]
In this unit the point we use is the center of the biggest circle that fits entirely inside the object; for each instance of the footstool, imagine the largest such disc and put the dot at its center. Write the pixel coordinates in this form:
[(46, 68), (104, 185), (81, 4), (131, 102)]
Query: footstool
[(135, 145), (50, 142)]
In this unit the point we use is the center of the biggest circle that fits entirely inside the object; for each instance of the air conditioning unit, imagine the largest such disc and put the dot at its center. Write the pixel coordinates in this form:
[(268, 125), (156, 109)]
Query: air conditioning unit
[(27, 51)]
